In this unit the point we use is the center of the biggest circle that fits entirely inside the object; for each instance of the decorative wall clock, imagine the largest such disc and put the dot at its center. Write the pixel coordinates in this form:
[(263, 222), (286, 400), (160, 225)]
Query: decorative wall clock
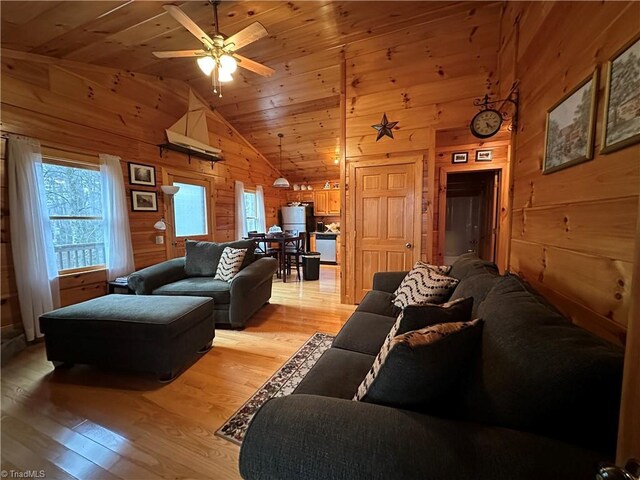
[(486, 123)]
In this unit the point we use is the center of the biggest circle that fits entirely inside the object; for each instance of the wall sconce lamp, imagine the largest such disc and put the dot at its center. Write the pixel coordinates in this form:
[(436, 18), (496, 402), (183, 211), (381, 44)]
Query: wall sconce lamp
[(170, 190), (161, 226)]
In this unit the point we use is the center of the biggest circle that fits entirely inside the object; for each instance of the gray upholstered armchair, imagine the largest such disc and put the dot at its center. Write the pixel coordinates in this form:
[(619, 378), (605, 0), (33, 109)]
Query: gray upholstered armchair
[(234, 302)]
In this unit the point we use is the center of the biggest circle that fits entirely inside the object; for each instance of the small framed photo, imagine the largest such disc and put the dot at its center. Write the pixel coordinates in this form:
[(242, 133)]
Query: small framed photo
[(459, 157), (144, 201), (142, 174), (570, 127), (622, 101), (484, 155)]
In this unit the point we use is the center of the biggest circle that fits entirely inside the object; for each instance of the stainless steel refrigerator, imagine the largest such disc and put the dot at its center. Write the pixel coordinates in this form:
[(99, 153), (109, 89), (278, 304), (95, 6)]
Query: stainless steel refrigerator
[(294, 219)]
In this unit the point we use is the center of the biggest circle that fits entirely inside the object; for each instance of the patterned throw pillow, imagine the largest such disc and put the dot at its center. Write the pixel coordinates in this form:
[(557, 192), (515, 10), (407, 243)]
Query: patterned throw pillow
[(230, 263), (420, 366), (424, 284)]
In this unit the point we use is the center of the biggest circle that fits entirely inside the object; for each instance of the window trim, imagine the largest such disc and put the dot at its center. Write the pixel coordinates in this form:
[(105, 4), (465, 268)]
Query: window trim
[(254, 191), (63, 162)]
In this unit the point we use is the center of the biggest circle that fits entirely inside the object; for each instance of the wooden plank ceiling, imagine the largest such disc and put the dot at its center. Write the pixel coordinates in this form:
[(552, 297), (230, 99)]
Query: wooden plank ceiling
[(305, 45)]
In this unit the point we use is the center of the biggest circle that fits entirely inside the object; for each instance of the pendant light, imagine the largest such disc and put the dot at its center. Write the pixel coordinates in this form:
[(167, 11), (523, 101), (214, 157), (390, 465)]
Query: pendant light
[(281, 182)]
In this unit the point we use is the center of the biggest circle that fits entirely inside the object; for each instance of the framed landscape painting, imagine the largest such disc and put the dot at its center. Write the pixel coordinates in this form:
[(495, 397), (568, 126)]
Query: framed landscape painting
[(142, 174), (144, 201), (570, 126), (622, 100)]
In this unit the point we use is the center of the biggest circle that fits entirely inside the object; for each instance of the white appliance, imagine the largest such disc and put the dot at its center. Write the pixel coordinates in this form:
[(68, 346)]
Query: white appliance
[(294, 219), (326, 246)]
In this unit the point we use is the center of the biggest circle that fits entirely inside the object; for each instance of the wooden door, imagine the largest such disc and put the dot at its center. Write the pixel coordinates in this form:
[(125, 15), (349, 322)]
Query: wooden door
[(334, 202), (321, 205), (387, 227), (200, 215)]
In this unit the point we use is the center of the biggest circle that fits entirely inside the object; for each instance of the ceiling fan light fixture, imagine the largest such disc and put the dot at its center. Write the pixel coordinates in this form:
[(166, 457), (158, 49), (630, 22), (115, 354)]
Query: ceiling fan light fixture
[(206, 64), (224, 76), (228, 63)]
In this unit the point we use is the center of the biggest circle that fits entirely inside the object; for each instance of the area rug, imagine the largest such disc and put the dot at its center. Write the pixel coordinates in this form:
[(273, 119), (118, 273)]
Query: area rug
[(281, 383)]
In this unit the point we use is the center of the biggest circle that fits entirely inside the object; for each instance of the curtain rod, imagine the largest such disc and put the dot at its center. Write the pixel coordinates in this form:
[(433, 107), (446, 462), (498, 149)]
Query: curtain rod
[(6, 134)]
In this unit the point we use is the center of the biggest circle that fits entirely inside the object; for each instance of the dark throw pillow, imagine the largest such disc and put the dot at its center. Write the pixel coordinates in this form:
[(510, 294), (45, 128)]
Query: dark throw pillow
[(415, 317), (202, 258), (421, 366)]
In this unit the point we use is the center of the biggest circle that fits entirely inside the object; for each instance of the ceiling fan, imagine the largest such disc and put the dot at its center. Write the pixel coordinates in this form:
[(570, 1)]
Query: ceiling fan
[(218, 58)]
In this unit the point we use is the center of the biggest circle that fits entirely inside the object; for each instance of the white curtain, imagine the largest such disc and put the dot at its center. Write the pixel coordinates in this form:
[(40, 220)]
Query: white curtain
[(117, 236), (241, 212), (34, 257), (262, 213)]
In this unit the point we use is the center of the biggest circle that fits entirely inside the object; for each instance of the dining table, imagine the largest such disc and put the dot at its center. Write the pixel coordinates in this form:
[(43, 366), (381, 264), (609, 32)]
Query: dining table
[(282, 239)]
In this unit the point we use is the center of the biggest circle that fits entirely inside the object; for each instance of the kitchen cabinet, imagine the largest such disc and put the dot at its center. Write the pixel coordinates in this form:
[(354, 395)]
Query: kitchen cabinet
[(307, 196), (293, 196), (334, 202), (321, 203)]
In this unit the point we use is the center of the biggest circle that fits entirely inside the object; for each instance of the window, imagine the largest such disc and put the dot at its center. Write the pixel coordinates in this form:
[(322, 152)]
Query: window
[(74, 203), (190, 210), (251, 210)]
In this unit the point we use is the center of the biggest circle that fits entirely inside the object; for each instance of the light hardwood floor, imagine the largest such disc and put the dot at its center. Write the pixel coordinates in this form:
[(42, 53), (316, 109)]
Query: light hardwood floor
[(86, 423)]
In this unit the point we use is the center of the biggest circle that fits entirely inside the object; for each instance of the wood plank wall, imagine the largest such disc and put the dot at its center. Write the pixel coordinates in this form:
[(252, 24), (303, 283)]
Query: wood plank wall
[(573, 230), (426, 78), (89, 110)]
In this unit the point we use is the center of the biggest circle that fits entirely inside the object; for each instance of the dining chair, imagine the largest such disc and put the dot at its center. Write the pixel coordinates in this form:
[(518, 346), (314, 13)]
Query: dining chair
[(293, 252)]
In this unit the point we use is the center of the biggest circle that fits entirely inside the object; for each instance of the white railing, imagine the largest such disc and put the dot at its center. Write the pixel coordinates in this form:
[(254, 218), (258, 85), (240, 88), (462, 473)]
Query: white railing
[(79, 255)]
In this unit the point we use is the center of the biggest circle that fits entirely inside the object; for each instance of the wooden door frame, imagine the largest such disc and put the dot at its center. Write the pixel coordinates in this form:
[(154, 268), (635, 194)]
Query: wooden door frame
[(167, 205), (442, 204), (350, 220)]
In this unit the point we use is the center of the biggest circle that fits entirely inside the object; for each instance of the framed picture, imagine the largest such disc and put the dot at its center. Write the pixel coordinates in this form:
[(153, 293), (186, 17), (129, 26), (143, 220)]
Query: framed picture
[(621, 126), (459, 157), (570, 125), (484, 155), (142, 174), (144, 201)]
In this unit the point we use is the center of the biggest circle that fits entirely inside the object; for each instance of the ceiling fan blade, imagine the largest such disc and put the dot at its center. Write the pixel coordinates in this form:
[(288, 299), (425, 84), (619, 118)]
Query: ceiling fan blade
[(180, 53), (255, 67), (244, 37), (189, 24)]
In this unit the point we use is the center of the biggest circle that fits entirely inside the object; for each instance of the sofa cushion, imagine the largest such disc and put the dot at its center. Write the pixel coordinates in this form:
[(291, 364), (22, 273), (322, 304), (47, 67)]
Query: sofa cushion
[(219, 290), (364, 332), (540, 373), (202, 258), (469, 264), (476, 286), (415, 317), (337, 374), (230, 263), (424, 284), (421, 366), (376, 301)]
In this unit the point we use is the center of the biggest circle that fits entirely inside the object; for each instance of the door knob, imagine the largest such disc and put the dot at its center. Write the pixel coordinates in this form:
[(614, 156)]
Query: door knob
[(408, 245)]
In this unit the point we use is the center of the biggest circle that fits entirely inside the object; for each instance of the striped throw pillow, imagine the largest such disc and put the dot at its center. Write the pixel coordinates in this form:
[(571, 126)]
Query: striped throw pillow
[(424, 284), (230, 263)]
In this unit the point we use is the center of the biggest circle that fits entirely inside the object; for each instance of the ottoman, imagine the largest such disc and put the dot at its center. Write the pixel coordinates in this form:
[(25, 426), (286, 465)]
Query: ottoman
[(158, 334)]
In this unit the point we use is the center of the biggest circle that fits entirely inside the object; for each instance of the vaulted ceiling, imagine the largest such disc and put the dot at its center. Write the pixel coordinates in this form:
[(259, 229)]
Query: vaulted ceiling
[(305, 44)]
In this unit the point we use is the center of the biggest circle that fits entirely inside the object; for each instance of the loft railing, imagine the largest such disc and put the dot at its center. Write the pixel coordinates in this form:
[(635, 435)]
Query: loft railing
[(79, 255)]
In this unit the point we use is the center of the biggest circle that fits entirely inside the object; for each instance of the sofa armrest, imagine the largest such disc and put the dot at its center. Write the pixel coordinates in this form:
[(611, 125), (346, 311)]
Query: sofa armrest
[(388, 281), (145, 281), (313, 437), (250, 290)]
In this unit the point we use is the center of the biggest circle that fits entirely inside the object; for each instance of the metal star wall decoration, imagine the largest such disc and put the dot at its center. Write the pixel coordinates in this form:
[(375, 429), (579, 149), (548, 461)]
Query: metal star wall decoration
[(384, 127)]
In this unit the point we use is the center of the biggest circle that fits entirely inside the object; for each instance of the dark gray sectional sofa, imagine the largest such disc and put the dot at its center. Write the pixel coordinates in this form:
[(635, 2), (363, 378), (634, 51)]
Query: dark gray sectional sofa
[(539, 400)]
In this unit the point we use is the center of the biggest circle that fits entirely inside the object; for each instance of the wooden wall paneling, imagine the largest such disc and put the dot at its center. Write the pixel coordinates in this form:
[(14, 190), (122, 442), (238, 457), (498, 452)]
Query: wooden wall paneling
[(347, 237), (10, 317), (591, 208), (629, 426)]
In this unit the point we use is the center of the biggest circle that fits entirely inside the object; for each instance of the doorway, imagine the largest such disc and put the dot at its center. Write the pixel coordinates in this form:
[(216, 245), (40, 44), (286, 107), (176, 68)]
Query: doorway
[(471, 202)]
